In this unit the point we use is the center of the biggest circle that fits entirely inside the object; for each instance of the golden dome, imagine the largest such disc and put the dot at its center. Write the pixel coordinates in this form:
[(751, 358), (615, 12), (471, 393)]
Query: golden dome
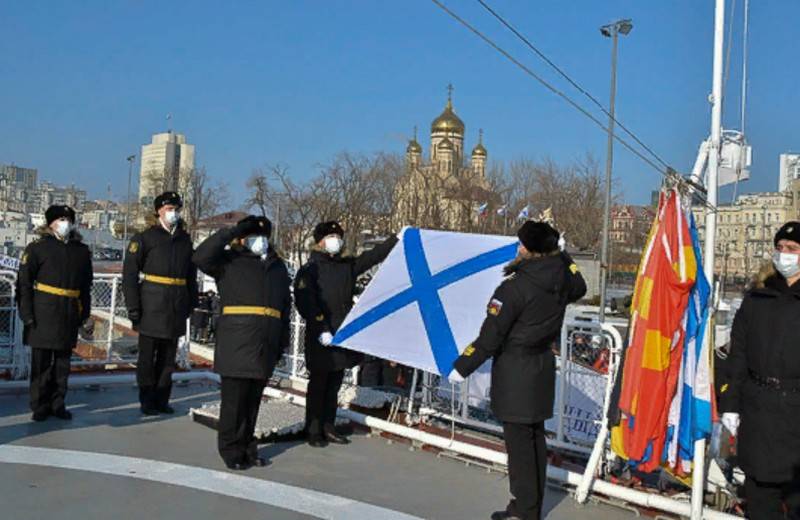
[(448, 122), (446, 144), (479, 150), (413, 147)]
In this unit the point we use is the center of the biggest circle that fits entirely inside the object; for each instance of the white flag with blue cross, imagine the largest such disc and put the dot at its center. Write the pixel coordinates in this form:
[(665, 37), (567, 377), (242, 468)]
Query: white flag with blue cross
[(428, 300)]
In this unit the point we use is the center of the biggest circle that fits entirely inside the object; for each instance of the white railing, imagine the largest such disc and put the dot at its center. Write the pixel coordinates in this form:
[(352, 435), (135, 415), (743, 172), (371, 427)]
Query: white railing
[(113, 343)]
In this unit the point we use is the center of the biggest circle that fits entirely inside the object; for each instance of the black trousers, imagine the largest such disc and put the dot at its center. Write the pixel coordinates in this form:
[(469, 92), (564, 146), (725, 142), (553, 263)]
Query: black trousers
[(527, 468), (766, 500), (237, 418), (322, 399), (49, 375), (154, 370)]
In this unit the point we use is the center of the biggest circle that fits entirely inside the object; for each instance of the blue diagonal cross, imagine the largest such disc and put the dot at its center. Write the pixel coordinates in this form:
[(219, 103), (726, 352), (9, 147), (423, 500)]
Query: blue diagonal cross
[(425, 291)]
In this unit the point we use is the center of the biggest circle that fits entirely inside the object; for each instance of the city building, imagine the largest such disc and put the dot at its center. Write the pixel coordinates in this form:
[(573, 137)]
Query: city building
[(164, 165), (745, 230), (789, 170), (100, 219), (208, 226), (21, 191), (15, 232), (443, 191), (630, 225), (17, 185)]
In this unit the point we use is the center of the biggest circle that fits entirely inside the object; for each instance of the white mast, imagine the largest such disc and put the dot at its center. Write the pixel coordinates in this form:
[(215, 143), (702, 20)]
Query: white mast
[(698, 476)]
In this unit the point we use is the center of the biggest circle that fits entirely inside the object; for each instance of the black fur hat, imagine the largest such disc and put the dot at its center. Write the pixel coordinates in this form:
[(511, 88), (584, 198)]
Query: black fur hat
[(324, 229), (255, 225), (168, 197), (56, 212), (789, 231), (538, 237)]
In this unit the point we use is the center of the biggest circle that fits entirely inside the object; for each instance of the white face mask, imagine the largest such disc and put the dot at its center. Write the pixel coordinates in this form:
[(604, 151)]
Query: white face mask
[(259, 245), (171, 217), (786, 263), (63, 227), (333, 244)]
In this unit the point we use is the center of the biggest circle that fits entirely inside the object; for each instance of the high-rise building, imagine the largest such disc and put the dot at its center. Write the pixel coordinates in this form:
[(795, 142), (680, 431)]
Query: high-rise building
[(165, 165), (16, 187), (790, 170)]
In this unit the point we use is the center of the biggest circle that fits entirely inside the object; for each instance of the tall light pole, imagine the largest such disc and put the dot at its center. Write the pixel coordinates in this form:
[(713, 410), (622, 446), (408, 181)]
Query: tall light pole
[(130, 159), (612, 30)]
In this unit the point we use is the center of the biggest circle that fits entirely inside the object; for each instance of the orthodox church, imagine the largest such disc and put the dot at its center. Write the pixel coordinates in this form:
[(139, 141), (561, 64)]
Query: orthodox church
[(443, 190)]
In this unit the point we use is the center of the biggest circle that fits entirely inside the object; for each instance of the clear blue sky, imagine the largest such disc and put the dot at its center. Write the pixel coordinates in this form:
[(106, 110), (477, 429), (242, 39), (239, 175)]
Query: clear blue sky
[(84, 84)]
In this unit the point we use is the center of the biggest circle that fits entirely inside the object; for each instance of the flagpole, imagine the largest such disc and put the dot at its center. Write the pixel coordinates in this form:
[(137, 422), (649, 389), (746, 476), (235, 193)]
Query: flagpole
[(699, 466)]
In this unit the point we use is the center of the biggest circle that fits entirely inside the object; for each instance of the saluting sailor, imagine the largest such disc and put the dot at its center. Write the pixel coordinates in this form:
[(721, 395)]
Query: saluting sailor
[(54, 283), (160, 286), (253, 331)]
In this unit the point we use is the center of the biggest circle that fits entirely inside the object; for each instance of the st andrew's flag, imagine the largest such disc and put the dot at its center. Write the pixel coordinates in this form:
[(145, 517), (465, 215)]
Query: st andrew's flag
[(428, 299)]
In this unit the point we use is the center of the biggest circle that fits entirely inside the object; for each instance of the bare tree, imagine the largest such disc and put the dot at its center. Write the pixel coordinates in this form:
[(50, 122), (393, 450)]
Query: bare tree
[(202, 196)]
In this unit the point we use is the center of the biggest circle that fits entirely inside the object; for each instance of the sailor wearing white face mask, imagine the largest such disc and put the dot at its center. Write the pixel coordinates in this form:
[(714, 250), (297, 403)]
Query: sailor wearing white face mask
[(324, 290), (760, 397), (54, 283), (160, 286), (253, 331)]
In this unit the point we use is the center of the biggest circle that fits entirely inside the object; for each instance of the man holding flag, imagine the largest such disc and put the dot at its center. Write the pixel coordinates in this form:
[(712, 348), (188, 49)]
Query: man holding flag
[(524, 318), (324, 290)]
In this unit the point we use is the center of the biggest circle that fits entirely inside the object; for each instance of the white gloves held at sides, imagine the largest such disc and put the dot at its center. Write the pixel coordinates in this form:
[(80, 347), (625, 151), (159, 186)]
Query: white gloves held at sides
[(326, 338), (731, 422)]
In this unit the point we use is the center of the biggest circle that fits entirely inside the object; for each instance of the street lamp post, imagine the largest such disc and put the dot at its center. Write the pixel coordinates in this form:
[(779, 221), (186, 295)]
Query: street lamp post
[(612, 30), (130, 159)]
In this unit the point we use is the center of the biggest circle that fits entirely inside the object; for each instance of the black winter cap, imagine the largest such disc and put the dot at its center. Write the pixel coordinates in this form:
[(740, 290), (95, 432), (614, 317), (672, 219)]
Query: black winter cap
[(168, 197), (538, 237), (789, 231), (54, 213), (324, 229), (255, 225)]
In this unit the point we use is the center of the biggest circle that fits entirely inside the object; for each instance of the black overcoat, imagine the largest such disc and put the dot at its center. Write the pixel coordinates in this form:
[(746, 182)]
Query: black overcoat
[(51, 320), (324, 290), (248, 345), (523, 322)]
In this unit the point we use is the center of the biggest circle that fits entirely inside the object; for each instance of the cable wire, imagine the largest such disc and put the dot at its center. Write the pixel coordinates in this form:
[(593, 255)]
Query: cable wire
[(668, 173), (570, 80)]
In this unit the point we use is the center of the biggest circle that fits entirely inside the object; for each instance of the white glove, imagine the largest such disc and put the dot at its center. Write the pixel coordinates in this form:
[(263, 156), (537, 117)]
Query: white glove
[(731, 422), (455, 377), (326, 338)]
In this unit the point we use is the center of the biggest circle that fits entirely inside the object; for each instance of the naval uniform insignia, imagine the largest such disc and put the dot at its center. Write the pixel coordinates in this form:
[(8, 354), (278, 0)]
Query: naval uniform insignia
[(494, 307)]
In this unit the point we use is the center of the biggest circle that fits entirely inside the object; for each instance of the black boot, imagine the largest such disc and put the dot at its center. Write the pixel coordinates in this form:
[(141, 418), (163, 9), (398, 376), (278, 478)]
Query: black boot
[(239, 466), (161, 400), (147, 400), (63, 414), (40, 415), (332, 436), (317, 441), (504, 515), (258, 462)]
